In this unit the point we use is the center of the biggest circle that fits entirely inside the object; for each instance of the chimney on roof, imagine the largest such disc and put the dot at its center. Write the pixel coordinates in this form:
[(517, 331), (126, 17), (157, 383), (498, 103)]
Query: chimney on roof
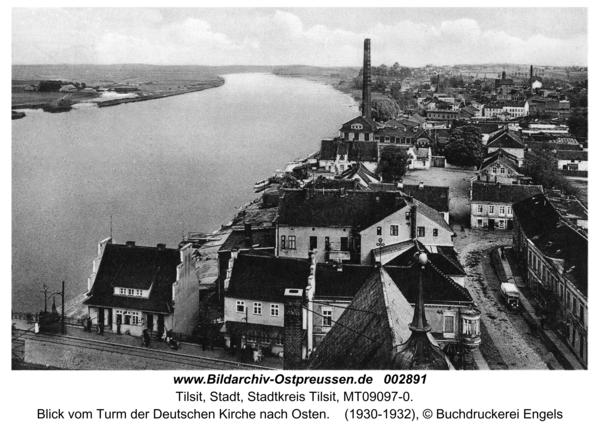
[(366, 94), (161, 246), (413, 221), (130, 244), (421, 186), (292, 358), (247, 234)]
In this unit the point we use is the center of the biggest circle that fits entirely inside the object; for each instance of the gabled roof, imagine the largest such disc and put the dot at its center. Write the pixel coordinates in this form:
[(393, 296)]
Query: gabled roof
[(502, 157), (445, 259), (435, 197), (506, 139), (502, 193), (340, 284), (433, 215), (137, 267), (265, 277), (417, 118), (369, 125), (361, 171), (373, 324), (336, 208)]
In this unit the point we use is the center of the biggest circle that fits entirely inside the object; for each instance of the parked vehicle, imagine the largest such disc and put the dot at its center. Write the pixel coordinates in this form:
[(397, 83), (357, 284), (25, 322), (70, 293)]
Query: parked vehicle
[(511, 294)]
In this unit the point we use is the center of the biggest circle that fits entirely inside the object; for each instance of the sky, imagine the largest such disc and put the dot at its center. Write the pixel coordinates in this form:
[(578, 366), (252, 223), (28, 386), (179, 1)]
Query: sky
[(313, 36)]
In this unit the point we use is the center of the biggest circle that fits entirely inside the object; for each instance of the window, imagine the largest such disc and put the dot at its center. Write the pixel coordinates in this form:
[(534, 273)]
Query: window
[(393, 230), (509, 210), (138, 292), (435, 232), (501, 223), (420, 231), (313, 242), (407, 215), (135, 319), (494, 170), (327, 244), (122, 291), (344, 244), (502, 170), (491, 209), (378, 231), (274, 310), (326, 317), (127, 319), (479, 222), (501, 209), (283, 242), (257, 308), (479, 209), (130, 291), (581, 312), (292, 242), (240, 306), (449, 324)]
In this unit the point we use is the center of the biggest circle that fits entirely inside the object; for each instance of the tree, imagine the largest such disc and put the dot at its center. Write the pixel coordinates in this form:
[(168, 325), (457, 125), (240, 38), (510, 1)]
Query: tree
[(464, 146), (392, 164), (384, 109), (542, 167), (578, 125)]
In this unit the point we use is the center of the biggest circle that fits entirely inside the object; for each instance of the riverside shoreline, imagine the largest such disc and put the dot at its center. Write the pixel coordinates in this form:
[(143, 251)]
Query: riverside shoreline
[(114, 102)]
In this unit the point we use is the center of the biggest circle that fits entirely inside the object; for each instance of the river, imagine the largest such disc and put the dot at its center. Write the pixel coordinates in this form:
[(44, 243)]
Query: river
[(161, 168)]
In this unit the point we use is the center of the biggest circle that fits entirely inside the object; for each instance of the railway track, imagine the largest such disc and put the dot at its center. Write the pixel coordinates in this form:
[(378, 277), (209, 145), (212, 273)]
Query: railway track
[(173, 360)]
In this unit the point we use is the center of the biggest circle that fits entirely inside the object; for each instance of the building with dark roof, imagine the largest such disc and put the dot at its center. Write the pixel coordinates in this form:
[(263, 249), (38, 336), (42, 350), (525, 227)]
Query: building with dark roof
[(385, 326), (550, 238), (136, 288), (361, 174), (572, 160), (347, 225), (359, 128), (435, 197), (254, 299), (501, 167), (510, 142), (491, 203)]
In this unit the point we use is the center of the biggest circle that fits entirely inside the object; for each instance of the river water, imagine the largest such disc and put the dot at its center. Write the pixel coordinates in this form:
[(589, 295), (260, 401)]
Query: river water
[(160, 168)]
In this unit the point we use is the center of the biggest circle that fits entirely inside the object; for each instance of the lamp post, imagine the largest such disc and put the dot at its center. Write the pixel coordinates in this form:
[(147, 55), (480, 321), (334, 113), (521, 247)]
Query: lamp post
[(62, 294), (380, 245)]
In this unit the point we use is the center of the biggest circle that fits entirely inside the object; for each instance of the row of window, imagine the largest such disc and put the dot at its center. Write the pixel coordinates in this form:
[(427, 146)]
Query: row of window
[(495, 170), (240, 306), (394, 229), (577, 307), (130, 292), (128, 317), (491, 208)]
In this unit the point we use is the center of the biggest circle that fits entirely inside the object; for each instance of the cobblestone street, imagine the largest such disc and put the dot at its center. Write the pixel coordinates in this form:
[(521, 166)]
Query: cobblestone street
[(514, 344)]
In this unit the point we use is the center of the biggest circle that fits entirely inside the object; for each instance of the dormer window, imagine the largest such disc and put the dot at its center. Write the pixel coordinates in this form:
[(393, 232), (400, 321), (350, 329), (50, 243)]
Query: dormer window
[(356, 127)]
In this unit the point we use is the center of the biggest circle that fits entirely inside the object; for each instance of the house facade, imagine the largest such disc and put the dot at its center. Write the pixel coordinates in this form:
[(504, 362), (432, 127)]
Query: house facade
[(550, 239), (136, 288), (491, 203)]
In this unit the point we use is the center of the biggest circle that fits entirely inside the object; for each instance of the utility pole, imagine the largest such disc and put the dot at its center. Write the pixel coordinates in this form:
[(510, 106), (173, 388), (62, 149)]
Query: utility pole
[(63, 308)]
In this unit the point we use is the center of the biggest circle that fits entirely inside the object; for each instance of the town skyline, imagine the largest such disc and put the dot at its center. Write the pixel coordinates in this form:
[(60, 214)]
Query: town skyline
[(309, 36)]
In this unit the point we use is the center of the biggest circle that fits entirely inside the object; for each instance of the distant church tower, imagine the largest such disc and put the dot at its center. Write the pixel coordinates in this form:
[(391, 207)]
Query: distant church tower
[(366, 94)]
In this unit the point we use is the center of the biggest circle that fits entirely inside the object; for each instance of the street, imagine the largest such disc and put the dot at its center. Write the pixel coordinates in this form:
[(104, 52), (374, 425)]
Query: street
[(508, 342)]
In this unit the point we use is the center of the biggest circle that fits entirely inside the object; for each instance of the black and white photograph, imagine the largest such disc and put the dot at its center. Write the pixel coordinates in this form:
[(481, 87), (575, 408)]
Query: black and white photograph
[(273, 189)]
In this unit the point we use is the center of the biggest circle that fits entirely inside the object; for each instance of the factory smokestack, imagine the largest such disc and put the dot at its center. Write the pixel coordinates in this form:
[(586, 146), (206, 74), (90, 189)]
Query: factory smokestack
[(366, 95)]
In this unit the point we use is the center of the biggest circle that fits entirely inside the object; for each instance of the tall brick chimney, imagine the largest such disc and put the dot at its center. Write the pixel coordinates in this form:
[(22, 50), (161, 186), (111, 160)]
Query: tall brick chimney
[(366, 94), (292, 321)]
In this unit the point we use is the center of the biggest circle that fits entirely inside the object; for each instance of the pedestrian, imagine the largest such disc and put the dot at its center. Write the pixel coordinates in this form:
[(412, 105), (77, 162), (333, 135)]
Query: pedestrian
[(118, 327), (100, 329), (89, 324)]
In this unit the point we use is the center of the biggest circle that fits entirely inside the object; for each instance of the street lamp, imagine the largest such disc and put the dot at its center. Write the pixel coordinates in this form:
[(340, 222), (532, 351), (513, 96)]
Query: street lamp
[(57, 293)]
